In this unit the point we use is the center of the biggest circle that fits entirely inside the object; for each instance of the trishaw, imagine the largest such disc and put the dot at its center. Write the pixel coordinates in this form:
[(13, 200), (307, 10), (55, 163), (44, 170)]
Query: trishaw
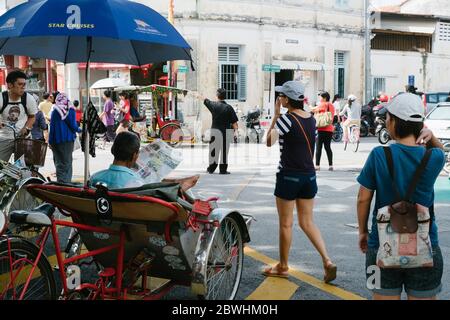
[(153, 102), (134, 236)]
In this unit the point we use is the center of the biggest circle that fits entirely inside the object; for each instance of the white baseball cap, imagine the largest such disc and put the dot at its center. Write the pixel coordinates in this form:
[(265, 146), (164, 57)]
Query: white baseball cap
[(408, 107)]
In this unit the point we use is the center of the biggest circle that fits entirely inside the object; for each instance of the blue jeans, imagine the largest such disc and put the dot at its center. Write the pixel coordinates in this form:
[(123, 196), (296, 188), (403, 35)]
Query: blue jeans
[(417, 282)]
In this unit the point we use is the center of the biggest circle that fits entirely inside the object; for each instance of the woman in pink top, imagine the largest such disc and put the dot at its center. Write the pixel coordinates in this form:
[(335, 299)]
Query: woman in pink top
[(325, 133), (124, 107)]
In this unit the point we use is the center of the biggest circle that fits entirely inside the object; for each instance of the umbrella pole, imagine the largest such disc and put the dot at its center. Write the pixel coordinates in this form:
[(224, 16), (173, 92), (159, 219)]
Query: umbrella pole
[(86, 123)]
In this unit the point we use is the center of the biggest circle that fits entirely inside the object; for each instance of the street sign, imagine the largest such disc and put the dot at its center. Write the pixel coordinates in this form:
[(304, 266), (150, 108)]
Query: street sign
[(183, 69), (271, 68), (411, 80), (276, 68)]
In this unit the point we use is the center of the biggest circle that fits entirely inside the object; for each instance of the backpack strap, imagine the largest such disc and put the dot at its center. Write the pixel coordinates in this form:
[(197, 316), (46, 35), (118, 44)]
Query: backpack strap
[(5, 97), (304, 133), (418, 174), (390, 164), (23, 101), (416, 177)]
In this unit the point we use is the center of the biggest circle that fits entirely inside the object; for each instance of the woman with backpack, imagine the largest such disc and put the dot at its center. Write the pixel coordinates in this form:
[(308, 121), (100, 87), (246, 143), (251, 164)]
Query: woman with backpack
[(296, 180), (324, 115), (402, 249)]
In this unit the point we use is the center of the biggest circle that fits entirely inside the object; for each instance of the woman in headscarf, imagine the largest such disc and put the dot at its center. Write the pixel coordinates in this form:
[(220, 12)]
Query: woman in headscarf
[(63, 132)]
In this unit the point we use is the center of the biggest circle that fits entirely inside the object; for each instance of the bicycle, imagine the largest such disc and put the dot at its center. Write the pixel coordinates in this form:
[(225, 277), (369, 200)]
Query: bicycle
[(352, 137)]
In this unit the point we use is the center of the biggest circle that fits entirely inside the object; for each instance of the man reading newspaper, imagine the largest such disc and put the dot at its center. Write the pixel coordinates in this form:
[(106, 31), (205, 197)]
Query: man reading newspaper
[(126, 150)]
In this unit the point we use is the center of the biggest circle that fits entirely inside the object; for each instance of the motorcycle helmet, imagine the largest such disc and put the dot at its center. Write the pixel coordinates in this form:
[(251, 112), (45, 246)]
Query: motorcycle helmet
[(384, 98)]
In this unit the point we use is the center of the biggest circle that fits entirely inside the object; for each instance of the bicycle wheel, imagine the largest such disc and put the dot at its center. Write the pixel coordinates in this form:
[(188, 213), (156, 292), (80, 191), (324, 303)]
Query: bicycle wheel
[(172, 134), (225, 261), (14, 272)]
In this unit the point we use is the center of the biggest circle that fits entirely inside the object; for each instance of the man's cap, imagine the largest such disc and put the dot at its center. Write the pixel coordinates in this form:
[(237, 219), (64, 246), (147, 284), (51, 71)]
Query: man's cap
[(408, 107), (292, 89), (351, 97)]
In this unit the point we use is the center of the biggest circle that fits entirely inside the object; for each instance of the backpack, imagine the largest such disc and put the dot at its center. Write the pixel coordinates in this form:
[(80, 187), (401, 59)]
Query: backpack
[(23, 101), (404, 226)]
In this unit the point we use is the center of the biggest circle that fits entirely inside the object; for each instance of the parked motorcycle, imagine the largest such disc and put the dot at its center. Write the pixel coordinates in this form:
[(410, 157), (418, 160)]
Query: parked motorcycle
[(382, 132), (368, 118), (253, 132), (338, 132)]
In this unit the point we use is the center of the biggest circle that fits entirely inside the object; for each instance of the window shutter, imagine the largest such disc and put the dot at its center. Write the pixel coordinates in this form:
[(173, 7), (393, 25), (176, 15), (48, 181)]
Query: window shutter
[(242, 85), (223, 54)]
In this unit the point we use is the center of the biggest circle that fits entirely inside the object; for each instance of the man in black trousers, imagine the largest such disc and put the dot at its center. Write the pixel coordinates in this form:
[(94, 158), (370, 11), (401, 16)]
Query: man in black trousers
[(224, 122)]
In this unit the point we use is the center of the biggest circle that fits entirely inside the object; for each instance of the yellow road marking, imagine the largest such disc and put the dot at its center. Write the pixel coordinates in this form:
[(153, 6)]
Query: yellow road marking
[(238, 190), (284, 290), (338, 292)]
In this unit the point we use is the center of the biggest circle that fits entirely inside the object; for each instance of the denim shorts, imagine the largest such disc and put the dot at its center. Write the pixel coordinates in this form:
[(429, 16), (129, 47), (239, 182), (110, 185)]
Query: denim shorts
[(292, 186), (417, 282)]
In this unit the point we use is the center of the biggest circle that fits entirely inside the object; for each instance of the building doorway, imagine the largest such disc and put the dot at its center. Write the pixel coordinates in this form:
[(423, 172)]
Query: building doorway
[(282, 77)]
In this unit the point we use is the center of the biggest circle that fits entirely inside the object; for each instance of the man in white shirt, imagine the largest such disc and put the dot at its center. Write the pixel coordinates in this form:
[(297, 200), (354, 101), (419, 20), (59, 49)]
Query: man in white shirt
[(18, 110), (352, 110)]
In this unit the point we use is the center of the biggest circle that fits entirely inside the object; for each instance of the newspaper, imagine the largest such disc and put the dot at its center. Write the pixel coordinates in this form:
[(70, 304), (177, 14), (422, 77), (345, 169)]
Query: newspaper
[(157, 160)]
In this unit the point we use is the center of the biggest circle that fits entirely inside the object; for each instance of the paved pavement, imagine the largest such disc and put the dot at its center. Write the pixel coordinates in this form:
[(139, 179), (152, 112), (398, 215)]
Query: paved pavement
[(250, 190)]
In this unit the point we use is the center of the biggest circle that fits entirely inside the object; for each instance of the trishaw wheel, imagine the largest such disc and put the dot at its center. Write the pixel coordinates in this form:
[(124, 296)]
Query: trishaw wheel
[(23, 200), (225, 260), (42, 285), (171, 133)]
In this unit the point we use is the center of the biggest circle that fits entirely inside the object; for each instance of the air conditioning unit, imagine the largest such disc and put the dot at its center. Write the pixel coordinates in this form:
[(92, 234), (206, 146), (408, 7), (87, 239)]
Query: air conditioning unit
[(375, 20)]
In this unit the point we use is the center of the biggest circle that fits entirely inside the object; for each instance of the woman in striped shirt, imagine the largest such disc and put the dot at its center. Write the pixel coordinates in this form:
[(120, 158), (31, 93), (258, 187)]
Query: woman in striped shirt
[(296, 180)]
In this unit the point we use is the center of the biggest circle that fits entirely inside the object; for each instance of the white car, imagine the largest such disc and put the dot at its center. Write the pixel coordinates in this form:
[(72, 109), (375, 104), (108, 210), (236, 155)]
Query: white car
[(438, 120)]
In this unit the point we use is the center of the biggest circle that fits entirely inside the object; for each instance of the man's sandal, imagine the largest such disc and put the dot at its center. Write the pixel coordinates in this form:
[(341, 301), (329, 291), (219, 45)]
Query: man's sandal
[(276, 272)]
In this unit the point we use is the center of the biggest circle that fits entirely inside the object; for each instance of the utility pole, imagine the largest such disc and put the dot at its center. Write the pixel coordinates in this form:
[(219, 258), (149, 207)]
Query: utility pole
[(170, 65), (367, 60)]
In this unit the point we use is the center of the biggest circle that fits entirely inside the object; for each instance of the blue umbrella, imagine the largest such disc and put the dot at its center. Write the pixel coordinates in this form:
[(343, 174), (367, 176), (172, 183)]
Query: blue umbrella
[(114, 31)]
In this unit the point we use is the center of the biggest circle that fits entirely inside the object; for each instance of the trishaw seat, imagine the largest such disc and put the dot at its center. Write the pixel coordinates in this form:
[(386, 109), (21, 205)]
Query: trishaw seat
[(155, 202)]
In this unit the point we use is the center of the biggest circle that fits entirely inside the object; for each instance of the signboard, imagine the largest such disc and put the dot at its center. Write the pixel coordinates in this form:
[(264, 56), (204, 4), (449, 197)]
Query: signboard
[(183, 69), (2, 62), (271, 68), (411, 80), (165, 68)]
